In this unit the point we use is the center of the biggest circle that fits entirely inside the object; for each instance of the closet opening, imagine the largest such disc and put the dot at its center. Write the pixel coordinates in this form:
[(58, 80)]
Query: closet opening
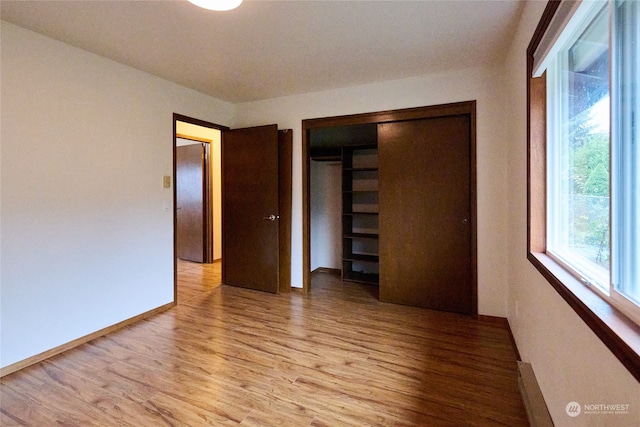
[(395, 190), (343, 181)]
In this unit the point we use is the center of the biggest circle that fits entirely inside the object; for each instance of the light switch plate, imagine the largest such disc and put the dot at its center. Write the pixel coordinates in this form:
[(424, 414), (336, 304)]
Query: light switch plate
[(166, 181)]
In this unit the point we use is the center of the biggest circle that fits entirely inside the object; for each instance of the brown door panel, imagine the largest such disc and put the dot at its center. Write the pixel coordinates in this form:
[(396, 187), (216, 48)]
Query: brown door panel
[(190, 244), (425, 213), (250, 196)]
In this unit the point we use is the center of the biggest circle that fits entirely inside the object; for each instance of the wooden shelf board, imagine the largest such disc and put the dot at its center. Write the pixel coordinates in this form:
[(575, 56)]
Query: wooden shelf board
[(359, 213), (360, 169), (362, 257), (360, 236), (327, 158)]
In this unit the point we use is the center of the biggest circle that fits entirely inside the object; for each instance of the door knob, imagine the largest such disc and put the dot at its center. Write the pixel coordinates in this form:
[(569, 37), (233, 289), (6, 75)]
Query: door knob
[(271, 217)]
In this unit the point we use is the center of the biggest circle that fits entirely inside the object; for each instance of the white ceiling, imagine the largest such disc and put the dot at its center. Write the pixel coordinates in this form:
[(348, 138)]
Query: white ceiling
[(267, 49)]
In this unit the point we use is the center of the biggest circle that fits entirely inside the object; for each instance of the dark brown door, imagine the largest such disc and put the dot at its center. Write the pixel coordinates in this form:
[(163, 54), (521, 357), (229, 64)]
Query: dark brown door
[(425, 213), (250, 208), (190, 175)]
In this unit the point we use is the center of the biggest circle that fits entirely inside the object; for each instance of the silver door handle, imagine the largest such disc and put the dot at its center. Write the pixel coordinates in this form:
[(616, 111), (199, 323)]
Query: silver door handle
[(271, 217)]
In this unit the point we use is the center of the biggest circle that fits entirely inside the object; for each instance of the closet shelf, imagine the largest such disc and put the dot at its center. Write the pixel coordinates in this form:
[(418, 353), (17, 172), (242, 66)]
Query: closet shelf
[(362, 257), (360, 236), (360, 169), (359, 213)]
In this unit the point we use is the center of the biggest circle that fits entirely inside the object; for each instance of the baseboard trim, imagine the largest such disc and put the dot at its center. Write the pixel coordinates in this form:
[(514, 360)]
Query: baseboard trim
[(79, 341), (532, 397)]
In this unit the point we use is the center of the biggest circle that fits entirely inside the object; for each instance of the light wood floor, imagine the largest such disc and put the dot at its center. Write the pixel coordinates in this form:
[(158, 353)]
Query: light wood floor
[(230, 356)]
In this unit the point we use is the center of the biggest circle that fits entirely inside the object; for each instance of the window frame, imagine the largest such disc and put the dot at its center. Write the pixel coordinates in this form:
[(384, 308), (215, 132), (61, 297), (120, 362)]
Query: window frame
[(616, 330)]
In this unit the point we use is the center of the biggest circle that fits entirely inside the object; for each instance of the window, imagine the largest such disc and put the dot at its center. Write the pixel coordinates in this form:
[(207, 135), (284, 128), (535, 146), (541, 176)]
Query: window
[(592, 178), (578, 192), (584, 164), (626, 153)]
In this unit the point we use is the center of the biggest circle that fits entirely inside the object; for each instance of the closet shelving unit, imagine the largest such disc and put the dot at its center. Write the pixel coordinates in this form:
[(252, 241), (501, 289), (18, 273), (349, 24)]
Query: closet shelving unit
[(360, 260)]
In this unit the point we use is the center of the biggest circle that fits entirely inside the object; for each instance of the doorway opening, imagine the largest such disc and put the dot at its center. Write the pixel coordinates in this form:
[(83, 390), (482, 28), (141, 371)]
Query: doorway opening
[(197, 176)]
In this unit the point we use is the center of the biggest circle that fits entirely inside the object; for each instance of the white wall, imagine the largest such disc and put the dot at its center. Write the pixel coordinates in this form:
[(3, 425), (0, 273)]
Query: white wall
[(87, 227), (481, 84), (570, 362), (326, 214)]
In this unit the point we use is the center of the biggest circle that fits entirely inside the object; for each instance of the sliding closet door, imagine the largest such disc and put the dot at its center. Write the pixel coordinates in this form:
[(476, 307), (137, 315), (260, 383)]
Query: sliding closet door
[(425, 213)]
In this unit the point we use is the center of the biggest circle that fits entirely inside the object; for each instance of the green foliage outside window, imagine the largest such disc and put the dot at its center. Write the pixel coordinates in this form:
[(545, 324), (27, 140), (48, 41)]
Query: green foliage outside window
[(589, 159)]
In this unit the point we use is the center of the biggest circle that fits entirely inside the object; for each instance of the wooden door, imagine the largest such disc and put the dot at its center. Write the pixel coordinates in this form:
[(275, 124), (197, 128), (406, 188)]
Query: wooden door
[(425, 213), (250, 208), (190, 197)]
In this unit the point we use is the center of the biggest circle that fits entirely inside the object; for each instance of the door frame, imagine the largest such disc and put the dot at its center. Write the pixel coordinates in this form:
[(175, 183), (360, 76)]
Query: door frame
[(285, 167), (417, 113), (182, 118)]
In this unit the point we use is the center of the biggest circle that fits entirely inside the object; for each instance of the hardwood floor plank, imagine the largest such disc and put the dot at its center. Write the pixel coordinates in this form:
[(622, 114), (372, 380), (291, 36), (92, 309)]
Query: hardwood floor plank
[(91, 365), (175, 411), (271, 418), (61, 406), (231, 356), (123, 411), (211, 393), (18, 410)]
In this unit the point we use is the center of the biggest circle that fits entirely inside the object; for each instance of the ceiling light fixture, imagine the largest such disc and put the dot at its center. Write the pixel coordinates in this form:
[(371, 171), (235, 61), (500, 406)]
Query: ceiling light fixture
[(217, 4)]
